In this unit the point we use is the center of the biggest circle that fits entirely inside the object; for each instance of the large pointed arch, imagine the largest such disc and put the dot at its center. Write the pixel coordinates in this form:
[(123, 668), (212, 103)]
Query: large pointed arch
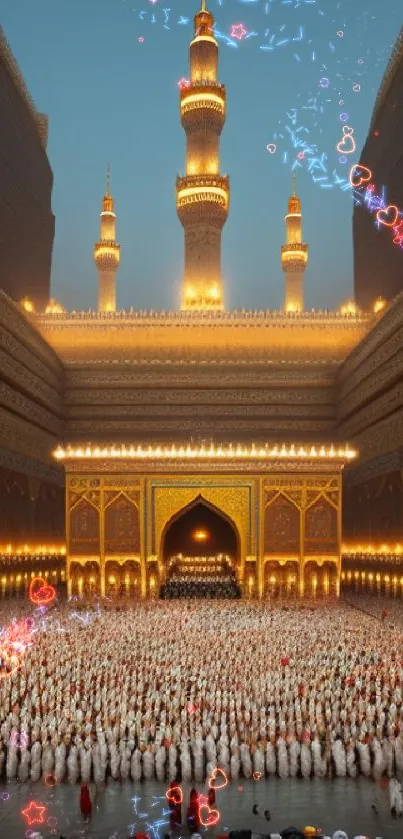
[(203, 513)]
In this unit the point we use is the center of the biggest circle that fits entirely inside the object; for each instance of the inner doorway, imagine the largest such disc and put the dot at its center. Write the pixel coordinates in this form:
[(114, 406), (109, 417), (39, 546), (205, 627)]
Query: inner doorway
[(200, 548)]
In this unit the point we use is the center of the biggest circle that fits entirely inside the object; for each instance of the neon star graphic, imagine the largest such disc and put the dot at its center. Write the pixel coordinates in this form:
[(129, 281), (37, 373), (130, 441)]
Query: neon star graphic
[(34, 813), (182, 83), (238, 31)]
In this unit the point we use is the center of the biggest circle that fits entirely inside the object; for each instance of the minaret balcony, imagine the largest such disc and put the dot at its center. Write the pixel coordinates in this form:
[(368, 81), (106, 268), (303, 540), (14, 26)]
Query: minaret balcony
[(107, 255), (196, 193), (203, 103), (294, 257)]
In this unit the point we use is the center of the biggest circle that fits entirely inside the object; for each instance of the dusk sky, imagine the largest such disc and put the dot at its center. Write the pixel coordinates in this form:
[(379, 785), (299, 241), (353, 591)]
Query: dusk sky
[(111, 97)]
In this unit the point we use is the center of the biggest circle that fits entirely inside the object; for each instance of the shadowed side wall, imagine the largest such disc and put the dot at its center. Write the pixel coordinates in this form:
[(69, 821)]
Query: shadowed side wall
[(370, 415), (31, 383)]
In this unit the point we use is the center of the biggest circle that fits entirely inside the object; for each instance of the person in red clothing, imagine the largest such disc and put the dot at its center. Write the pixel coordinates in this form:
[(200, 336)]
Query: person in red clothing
[(85, 802), (193, 818), (211, 797)]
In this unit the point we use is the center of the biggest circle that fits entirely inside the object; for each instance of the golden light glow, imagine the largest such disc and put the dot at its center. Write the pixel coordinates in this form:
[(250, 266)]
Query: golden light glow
[(194, 98), (54, 308), (200, 535), (379, 305), (373, 549), (204, 38), (194, 194), (27, 305), (223, 452), (42, 550), (349, 308)]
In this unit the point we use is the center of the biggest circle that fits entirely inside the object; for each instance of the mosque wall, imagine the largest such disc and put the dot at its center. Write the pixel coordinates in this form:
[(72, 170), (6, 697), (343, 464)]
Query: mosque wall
[(370, 416), (31, 381), (179, 401)]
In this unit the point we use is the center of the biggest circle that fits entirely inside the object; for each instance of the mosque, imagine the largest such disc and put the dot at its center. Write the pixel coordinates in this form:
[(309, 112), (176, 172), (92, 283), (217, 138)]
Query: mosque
[(152, 431)]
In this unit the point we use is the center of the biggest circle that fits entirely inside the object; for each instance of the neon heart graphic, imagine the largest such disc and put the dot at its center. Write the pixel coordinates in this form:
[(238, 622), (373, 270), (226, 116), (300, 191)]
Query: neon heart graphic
[(359, 175), (40, 592), (175, 795), (211, 818), (346, 145), (389, 216), (213, 776), (257, 776), (271, 148)]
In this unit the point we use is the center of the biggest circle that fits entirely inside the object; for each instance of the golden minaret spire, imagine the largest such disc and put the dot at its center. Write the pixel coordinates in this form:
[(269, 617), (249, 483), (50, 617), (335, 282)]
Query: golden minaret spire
[(107, 252), (294, 255), (202, 196)]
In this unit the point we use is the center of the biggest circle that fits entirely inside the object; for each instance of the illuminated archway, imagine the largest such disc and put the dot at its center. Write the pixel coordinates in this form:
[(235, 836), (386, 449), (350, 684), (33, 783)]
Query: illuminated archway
[(198, 529)]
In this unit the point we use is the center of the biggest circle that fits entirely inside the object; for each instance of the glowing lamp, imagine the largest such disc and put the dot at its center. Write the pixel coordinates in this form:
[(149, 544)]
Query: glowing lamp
[(200, 535), (379, 305), (27, 305), (349, 308), (54, 308)]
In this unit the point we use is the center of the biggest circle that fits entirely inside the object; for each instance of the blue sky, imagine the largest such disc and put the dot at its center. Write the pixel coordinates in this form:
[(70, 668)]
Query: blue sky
[(112, 97)]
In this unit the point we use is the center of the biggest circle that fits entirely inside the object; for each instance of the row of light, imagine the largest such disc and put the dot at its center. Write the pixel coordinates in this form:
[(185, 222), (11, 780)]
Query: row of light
[(174, 452), (39, 550), (348, 309), (384, 578), (373, 549)]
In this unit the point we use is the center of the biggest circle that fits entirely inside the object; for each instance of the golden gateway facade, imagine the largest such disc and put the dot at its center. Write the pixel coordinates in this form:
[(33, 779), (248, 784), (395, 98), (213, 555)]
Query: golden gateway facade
[(284, 504)]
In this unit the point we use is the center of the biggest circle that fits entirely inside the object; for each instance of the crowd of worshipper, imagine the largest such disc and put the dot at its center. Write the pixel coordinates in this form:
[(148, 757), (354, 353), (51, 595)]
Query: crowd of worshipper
[(192, 587), (171, 690), (196, 577)]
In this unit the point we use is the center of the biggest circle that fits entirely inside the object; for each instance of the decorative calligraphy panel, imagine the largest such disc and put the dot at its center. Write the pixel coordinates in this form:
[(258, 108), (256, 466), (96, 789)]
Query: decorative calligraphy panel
[(321, 528), (84, 529), (122, 527), (281, 527)]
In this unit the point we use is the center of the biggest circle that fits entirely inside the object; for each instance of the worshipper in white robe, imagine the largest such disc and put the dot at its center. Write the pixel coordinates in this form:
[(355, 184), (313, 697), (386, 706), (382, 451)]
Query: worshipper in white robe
[(136, 769), (23, 769), (379, 762), (235, 763), (395, 797), (271, 763), (294, 750), (306, 757), (339, 758), (11, 763), (160, 761), (36, 763), (351, 764), (72, 765), (318, 758), (246, 762)]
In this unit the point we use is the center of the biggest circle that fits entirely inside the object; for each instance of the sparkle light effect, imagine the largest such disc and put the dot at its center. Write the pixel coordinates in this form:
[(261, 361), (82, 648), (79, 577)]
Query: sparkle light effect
[(386, 215)]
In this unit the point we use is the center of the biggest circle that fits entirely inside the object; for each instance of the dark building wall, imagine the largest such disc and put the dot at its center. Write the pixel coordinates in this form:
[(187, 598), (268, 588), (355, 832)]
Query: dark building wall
[(370, 415), (26, 220), (31, 424), (378, 263)]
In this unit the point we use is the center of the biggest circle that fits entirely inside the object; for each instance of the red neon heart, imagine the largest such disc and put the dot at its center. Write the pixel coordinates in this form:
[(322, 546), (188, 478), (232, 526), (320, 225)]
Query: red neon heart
[(257, 776), (356, 178), (40, 592), (213, 816), (175, 795), (213, 777), (389, 216)]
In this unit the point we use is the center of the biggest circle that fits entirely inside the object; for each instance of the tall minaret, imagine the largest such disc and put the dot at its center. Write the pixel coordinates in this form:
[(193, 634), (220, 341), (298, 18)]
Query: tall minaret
[(294, 255), (107, 254), (202, 196)]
